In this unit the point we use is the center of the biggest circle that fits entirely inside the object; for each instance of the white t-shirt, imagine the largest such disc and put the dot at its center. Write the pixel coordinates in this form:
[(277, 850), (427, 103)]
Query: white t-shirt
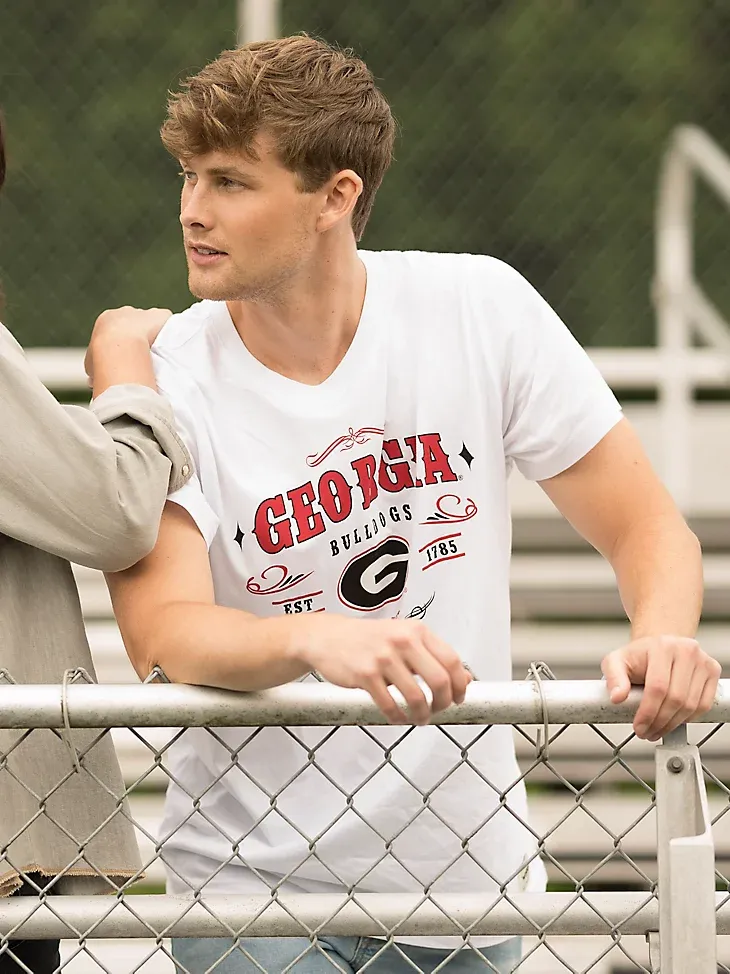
[(381, 492)]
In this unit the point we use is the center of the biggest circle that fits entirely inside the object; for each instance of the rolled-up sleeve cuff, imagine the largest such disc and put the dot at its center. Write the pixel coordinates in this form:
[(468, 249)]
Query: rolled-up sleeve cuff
[(149, 408)]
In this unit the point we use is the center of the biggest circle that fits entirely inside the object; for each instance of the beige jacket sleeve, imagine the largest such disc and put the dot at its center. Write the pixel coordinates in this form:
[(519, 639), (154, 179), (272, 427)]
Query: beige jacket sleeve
[(87, 485)]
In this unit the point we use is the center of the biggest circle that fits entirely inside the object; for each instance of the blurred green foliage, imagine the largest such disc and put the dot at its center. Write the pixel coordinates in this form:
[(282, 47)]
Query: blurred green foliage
[(529, 129)]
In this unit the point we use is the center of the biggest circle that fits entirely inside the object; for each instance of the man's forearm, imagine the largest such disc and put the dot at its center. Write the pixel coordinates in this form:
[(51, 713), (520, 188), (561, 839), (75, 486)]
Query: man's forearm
[(658, 567), (213, 645)]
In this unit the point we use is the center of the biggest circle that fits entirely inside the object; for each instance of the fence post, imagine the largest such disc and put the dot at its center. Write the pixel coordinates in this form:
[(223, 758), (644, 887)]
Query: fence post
[(257, 20), (672, 283), (686, 861)]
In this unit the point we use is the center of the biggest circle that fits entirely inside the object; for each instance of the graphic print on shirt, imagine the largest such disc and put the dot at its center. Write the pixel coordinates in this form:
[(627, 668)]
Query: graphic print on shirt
[(418, 611), (447, 546), (377, 547), (346, 442), (287, 580)]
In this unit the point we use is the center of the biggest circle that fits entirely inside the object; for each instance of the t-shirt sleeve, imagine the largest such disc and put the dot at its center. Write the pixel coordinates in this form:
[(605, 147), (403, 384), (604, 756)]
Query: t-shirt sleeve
[(192, 499), (191, 496), (556, 404)]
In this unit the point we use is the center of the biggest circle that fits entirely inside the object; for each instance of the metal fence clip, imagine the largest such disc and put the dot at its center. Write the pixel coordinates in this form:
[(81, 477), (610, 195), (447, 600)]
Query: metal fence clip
[(536, 672), (71, 676)]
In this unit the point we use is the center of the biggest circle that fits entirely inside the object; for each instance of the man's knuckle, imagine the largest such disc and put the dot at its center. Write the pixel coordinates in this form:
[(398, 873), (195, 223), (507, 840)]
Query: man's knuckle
[(453, 667), (693, 702), (403, 637), (452, 659), (368, 671), (686, 649), (662, 645)]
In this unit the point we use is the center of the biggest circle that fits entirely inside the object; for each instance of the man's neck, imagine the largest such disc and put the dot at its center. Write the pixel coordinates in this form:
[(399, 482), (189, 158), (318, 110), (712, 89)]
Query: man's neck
[(305, 332)]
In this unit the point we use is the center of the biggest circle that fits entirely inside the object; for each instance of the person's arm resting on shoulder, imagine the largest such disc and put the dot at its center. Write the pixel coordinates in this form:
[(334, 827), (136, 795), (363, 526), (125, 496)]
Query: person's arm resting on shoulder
[(165, 607), (88, 485), (616, 502)]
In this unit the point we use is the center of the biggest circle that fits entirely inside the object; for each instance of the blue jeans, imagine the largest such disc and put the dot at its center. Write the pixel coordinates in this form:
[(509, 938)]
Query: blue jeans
[(347, 954)]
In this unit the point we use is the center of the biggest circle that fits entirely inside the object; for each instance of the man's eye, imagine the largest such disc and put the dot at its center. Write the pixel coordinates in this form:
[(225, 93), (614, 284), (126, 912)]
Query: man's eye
[(187, 176)]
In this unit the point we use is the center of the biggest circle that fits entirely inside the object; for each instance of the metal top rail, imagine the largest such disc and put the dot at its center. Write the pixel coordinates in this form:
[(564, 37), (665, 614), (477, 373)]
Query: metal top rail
[(304, 704), (364, 915)]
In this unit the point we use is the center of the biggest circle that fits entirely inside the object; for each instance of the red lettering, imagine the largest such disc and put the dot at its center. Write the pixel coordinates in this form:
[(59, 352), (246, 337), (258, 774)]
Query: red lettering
[(435, 460), (393, 473), (411, 441), (395, 476), (365, 468), (309, 523), (335, 495), (272, 535)]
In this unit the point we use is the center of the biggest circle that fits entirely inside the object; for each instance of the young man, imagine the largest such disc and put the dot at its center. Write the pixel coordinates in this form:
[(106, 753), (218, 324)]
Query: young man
[(354, 417)]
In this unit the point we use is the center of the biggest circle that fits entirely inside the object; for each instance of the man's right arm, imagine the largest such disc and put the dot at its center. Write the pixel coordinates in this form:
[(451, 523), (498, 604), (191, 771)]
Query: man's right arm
[(166, 610)]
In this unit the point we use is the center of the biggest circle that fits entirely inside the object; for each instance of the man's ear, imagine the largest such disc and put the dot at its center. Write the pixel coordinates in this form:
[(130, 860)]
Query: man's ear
[(343, 191)]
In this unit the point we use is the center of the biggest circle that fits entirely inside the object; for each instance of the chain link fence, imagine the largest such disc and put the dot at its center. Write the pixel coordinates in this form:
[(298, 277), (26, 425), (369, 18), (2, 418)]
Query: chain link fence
[(529, 129), (579, 834)]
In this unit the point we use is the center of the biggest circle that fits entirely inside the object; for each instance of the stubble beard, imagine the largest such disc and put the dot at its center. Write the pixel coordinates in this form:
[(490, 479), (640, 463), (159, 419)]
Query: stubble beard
[(212, 290), (263, 289)]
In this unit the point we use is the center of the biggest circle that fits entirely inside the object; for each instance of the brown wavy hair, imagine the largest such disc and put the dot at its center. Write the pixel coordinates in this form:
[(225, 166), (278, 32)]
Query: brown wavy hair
[(320, 104)]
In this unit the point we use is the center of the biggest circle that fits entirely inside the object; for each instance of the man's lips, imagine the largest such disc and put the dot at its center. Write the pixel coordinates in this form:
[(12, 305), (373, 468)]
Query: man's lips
[(204, 254)]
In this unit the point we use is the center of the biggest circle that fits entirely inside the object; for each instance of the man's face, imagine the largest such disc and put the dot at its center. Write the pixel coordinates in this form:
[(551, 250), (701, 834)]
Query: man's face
[(247, 226)]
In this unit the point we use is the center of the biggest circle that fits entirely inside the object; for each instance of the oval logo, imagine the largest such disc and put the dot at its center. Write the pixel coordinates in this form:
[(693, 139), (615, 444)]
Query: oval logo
[(376, 576)]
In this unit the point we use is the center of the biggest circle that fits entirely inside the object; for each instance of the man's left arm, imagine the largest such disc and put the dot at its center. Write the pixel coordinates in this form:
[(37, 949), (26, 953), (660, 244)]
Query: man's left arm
[(615, 500)]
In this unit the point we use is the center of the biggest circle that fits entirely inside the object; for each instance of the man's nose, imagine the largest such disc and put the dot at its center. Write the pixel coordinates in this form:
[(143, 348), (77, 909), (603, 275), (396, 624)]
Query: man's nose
[(194, 213)]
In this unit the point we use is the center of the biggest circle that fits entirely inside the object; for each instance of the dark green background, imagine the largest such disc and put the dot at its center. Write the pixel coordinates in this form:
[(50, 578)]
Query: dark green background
[(530, 129)]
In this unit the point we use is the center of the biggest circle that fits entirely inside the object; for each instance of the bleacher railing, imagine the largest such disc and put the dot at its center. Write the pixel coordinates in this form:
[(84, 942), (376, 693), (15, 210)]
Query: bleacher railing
[(684, 313)]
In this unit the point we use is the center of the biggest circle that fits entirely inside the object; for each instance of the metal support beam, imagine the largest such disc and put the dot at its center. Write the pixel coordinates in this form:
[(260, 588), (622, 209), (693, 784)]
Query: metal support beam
[(258, 20), (682, 309), (686, 861)]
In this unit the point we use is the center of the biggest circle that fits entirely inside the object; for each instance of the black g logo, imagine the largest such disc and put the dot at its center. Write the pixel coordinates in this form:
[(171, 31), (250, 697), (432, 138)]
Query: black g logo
[(376, 577)]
